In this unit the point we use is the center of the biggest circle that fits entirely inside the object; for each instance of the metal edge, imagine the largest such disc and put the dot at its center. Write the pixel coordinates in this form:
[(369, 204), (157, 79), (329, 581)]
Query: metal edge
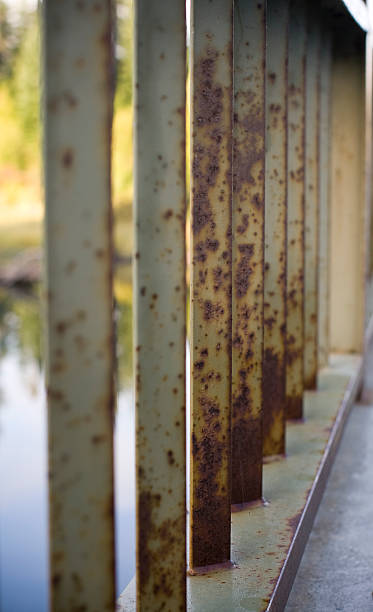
[(368, 333), (285, 581)]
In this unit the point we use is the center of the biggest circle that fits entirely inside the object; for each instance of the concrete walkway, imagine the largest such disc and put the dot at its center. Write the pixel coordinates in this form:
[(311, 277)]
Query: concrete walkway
[(336, 572)]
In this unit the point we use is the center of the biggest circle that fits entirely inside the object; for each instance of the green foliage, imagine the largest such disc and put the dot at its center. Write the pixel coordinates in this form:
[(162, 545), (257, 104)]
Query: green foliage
[(5, 41), (19, 89), (26, 80), (11, 130), (20, 321), (124, 53), (122, 162), (20, 100), (29, 329)]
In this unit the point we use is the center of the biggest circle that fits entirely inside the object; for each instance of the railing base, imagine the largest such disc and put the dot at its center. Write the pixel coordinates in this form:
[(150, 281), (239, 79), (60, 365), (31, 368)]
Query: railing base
[(268, 540)]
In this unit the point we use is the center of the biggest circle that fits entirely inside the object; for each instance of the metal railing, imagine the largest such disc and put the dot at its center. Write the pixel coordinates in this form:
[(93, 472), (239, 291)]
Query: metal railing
[(280, 128)]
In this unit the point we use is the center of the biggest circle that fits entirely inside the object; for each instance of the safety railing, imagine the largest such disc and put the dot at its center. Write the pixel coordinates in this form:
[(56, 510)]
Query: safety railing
[(280, 165)]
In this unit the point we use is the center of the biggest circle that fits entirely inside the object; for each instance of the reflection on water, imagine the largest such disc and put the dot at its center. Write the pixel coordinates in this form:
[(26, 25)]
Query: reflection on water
[(23, 457)]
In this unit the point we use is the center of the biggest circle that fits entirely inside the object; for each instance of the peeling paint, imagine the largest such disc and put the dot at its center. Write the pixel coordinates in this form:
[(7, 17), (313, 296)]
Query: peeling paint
[(79, 347), (211, 281), (274, 364), (248, 249), (160, 298), (312, 203), (295, 212)]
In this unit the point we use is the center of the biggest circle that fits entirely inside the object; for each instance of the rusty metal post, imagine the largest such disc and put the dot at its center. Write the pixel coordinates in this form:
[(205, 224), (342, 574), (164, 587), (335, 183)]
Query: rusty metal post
[(324, 185), (160, 72), (295, 210), (247, 250), (211, 112), (369, 157), (274, 365), (368, 164), (348, 217), (77, 112), (311, 228)]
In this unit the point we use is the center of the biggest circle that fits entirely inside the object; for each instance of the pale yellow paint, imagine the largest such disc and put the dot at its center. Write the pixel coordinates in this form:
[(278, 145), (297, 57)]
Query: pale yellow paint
[(347, 286)]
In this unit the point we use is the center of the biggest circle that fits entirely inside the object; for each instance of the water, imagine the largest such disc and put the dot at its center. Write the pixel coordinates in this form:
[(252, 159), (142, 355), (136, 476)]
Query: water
[(23, 458)]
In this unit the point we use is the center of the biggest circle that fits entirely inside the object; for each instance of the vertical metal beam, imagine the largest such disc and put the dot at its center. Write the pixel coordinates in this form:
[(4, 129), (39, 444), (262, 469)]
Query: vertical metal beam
[(347, 273), (247, 250), (367, 391), (274, 365), (324, 185), (211, 282), (78, 111), (368, 164), (295, 211), (160, 72), (311, 228)]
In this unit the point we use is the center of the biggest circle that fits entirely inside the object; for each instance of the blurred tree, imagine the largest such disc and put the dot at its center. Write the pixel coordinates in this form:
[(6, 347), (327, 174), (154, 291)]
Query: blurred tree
[(6, 41), (124, 53), (26, 76)]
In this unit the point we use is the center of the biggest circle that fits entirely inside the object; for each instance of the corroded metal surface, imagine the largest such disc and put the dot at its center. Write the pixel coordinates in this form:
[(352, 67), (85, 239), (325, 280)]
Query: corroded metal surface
[(268, 539), (160, 304), (247, 251), (312, 197), (324, 184), (274, 365), (211, 180), (295, 211), (78, 109)]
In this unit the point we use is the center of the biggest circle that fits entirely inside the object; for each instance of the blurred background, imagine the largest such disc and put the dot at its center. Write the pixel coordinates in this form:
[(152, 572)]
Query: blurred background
[(23, 439)]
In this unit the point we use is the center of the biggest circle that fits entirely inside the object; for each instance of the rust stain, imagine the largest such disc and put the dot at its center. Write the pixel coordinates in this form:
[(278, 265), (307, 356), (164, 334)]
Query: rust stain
[(210, 514), (212, 310), (61, 327), (310, 381), (68, 158), (74, 405), (294, 406), (70, 99), (206, 157), (56, 580), (247, 257), (243, 269), (247, 446), (274, 363), (274, 403), (295, 227), (154, 541), (98, 438), (294, 521), (211, 277)]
